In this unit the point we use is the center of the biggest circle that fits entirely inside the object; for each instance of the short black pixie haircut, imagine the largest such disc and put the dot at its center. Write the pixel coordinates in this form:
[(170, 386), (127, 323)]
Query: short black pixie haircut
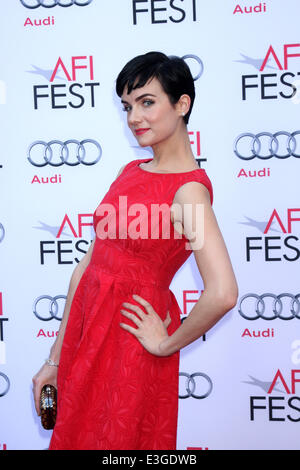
[(172, 72)]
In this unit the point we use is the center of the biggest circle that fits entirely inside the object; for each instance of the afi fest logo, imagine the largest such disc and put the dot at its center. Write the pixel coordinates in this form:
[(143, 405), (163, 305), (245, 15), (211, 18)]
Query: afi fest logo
[(274, 80), (282, 246), (281, 401), (65, 250), (163, 11), (80, 90)]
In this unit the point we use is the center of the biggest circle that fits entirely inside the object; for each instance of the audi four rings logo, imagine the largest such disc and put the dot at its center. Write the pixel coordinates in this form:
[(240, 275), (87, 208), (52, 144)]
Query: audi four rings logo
[(194, 389), (4, 389), (273, 145), (198, 60), (52, 310), (276, 307), (2, 232), (53, 3), (45, 157)]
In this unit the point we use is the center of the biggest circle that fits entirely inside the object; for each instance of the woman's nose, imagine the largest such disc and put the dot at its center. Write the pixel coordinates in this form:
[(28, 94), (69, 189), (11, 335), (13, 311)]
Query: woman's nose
[(134, 116)]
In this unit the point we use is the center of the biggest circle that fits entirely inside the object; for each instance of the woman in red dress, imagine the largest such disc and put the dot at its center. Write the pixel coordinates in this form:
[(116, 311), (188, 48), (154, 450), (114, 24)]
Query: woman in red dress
[(115, 361)]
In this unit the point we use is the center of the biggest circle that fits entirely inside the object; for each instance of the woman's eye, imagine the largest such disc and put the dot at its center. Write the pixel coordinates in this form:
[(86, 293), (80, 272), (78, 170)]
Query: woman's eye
[(148, 102)]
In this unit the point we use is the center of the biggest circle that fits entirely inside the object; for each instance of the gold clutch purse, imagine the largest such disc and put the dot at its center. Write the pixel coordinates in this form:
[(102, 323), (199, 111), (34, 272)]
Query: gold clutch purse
[(48, 406)]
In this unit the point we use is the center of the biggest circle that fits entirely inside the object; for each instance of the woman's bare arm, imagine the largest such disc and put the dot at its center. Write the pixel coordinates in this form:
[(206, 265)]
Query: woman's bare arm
[(74, 281), (220, 286), (47, 373)]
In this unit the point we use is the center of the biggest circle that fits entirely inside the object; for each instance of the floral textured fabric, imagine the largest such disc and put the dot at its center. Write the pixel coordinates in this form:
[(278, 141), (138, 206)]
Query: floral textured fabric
[(112, 393)]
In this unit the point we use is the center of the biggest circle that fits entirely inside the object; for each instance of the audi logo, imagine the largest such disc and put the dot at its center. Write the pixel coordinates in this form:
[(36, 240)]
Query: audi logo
[(276, 307), (2, 232), (4, 390), (52, 308), (53, 3), (273, 145), (191, 387), (63, 153), (198, 60)]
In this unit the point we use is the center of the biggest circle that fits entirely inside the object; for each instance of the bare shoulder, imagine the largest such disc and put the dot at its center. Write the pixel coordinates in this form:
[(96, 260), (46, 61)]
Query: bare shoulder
[(192, 192)]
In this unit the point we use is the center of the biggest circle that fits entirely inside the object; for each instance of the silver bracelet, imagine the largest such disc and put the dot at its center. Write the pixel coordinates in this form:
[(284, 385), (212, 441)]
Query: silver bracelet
[(50, 362)]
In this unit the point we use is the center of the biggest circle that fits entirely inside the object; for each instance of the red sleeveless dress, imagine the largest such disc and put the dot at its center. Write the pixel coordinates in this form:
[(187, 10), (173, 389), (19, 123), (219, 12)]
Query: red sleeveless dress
[(112, 393)]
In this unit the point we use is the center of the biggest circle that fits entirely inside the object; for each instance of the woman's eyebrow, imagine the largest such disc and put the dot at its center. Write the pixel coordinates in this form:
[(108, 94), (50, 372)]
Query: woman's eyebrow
[(139, 97)]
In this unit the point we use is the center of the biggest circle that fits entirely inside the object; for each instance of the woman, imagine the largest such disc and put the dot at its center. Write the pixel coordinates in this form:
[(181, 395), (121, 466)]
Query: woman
[(119, 354)]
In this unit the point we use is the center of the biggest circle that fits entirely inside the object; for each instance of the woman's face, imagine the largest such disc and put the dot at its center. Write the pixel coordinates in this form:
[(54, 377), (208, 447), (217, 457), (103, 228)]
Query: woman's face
[(150, 115)]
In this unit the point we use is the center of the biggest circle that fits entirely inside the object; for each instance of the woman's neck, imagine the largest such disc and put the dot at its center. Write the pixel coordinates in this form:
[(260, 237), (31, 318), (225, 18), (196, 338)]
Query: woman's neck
[(174, 154)]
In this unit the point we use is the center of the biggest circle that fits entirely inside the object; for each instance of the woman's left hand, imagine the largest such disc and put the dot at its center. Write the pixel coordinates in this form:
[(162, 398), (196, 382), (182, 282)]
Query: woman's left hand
[(151, 330)]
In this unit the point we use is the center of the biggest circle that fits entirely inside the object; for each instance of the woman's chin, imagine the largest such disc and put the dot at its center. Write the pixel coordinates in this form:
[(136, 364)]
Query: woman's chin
[(144, 145), (144, 142)]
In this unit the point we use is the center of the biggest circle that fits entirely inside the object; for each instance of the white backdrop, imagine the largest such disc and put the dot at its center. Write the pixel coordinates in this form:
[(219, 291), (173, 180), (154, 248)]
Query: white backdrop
[(245, 58)]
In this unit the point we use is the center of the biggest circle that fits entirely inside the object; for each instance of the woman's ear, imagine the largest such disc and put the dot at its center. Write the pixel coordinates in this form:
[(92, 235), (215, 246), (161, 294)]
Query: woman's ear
[(183, 105)]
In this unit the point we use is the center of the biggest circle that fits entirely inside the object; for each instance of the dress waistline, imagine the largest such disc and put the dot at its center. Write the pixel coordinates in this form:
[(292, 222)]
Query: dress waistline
[(124, 278)]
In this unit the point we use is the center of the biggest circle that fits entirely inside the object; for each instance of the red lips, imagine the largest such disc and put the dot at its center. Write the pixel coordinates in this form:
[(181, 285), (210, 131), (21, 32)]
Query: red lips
[(141, 131)]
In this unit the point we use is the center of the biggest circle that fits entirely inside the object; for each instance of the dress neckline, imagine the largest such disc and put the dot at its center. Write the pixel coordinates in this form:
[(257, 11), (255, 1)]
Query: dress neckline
[(157, 173)]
